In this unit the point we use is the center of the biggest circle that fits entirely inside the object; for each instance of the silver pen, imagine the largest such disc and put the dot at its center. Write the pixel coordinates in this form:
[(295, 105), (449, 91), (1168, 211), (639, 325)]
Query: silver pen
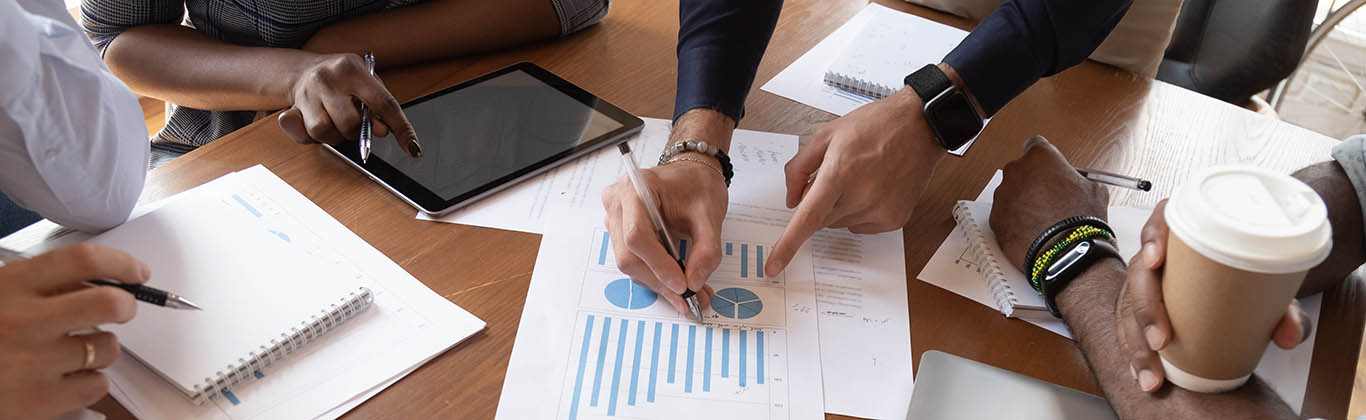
[(633, 172), (1115, 179), (365, 114)]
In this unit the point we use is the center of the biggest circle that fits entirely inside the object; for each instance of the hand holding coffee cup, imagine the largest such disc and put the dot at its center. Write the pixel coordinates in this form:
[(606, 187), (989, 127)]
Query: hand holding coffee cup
[(1237, 211)]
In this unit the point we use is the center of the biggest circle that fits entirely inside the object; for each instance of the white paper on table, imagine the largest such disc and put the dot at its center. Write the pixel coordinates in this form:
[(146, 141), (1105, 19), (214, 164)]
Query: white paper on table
[(860, 279), (407, 325), (804, 80), (592, 343), (1287, 372)]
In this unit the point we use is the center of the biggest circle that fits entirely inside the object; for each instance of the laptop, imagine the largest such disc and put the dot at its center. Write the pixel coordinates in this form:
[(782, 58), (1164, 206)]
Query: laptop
[(949, 387)]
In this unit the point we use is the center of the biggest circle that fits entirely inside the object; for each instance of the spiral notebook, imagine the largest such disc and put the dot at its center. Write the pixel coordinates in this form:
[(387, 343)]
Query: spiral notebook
[(875, 63), (265, 295), (1008, 285)]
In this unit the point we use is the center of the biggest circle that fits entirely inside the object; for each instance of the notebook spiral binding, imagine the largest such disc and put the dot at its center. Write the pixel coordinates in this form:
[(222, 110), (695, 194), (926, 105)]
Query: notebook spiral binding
[(989, 267), (859, 86), (307, 331)]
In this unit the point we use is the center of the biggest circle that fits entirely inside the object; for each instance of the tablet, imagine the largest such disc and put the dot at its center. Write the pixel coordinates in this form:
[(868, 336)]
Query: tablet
[(486, 134)]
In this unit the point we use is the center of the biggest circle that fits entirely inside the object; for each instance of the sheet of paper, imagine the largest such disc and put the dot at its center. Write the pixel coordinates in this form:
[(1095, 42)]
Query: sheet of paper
[(579, 184), (804, 80), (860, 279), (1286, 371), (593, 344), (408, 324)]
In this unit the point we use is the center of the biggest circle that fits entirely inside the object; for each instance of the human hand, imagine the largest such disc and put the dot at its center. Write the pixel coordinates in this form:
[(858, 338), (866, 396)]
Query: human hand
[(692, 199), (1037, 190), (326, 93), (42, 302), (874, 163), (1141, 315)]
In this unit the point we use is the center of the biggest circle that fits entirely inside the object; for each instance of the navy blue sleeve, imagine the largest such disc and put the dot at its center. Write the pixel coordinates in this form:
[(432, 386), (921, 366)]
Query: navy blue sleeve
[(1024, 40), (720, 43)]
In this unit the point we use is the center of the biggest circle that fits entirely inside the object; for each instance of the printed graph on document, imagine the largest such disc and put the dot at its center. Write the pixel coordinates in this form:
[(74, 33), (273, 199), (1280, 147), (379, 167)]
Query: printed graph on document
[(745, 295), (634, 356)]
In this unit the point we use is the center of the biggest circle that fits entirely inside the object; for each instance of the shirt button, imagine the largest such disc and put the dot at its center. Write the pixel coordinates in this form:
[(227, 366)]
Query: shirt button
[(50, 155)]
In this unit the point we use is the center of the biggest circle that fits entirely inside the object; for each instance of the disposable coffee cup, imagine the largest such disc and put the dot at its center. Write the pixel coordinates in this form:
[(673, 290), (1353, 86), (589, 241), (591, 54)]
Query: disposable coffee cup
[(1241, 241)]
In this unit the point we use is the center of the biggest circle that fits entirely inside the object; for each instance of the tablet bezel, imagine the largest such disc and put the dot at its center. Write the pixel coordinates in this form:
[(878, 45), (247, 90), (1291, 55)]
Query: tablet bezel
[(429, 202)]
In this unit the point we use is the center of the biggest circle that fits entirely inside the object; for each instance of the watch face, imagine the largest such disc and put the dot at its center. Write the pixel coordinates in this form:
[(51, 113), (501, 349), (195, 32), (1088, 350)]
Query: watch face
[(953, 118)]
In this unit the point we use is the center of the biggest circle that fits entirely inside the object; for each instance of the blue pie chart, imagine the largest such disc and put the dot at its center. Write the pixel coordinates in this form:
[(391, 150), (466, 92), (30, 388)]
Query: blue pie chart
[(737, 303), (626, 294)]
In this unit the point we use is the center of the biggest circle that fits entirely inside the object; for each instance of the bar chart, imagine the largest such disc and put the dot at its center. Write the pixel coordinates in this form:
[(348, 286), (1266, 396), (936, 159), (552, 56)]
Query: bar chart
[(656, 368), (740, 260)]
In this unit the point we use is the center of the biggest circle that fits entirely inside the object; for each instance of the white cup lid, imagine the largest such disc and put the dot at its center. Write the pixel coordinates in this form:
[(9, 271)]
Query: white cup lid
[(1252, 219)]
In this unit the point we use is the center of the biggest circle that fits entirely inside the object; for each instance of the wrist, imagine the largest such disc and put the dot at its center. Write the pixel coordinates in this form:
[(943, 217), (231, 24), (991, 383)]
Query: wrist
[(1098, 285), (957, 80), (703, 124)]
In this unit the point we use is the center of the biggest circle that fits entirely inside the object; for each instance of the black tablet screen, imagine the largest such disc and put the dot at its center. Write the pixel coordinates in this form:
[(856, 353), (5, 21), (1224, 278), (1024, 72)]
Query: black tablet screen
[(475, 135)]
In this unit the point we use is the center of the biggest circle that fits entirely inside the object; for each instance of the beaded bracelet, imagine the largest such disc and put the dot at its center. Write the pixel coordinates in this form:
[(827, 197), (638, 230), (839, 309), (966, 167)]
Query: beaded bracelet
[(727, 170), (1042, 262)]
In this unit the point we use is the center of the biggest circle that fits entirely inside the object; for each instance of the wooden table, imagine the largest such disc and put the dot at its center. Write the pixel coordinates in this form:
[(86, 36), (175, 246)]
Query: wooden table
[(1099, 116)]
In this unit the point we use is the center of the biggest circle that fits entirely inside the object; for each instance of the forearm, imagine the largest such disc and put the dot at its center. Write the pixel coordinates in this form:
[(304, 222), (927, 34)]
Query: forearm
[(179, 65), (1344, 212), (1088, 307), (720, 44), (448, 28)]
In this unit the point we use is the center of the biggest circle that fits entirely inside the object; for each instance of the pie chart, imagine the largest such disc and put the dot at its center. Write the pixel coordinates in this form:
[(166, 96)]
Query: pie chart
[(626, 294), (737, 303)]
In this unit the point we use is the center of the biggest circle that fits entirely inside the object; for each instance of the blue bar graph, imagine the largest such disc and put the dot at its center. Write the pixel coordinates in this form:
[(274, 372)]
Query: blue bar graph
[(744, 340), (673, 353), (602, 253), (728, 248), (616, 371), (701, 338), (602, 359), (635, 364), (725, 352), (692, 348), (759, 260), (654, 364), (744, 260), (583, 360), (759, 357), (706, 365)]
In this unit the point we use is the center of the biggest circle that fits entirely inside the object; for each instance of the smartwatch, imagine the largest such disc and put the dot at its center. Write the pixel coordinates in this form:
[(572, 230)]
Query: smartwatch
[(952, 116)]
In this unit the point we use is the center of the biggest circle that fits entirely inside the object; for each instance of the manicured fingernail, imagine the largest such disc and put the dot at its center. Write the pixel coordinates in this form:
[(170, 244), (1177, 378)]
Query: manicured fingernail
[(1150, 254), (1147, 380), (676, 285), (414, 148), (1154, 337)]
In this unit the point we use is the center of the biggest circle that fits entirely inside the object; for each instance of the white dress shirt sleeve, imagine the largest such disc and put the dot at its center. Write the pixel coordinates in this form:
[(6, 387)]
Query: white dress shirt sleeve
[(73, 143)]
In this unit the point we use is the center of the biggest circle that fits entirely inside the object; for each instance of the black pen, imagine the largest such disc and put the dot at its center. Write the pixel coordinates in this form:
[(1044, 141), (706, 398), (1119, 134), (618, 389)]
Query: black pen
[(1115, 179), (150, 294)]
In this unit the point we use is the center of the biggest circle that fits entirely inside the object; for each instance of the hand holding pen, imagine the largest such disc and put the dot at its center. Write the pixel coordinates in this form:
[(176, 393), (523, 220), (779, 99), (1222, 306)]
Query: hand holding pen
[(325, 104), (642, 247)]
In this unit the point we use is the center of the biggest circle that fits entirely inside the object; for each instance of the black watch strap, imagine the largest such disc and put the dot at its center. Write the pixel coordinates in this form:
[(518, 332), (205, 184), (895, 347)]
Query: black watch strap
[(1070, 265), (928, 82)]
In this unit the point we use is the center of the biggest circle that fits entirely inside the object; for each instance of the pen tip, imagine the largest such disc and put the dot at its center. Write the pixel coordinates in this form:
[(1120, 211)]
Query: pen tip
[(1145, 185)]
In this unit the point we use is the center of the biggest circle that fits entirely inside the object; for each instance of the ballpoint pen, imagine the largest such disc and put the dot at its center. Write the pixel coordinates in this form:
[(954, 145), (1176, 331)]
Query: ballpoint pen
[(633, 172), (150, 294), (1115, 179), (365, 115)]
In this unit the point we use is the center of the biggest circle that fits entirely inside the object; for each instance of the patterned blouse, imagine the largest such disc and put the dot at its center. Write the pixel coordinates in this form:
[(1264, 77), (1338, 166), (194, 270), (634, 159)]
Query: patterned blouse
[(278, 24)]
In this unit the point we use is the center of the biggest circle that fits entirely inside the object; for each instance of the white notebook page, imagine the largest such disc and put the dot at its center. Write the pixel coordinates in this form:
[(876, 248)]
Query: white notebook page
[(253, 283)]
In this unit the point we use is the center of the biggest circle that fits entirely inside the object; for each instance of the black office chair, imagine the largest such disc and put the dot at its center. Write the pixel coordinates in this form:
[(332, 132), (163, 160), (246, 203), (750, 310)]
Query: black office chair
[(1233, 49)]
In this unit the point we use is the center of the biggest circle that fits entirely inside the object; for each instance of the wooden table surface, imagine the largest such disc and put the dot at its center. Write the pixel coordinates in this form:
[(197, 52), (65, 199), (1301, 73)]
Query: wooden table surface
[(1100, 117)]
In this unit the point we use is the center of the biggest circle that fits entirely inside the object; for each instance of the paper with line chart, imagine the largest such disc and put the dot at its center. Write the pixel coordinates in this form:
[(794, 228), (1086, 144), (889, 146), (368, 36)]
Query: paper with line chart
[(592, 344)]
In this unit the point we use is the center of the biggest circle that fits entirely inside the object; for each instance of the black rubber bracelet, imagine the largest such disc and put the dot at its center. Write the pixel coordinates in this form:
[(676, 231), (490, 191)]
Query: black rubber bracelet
[(1069, 223), (1055, 281)]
